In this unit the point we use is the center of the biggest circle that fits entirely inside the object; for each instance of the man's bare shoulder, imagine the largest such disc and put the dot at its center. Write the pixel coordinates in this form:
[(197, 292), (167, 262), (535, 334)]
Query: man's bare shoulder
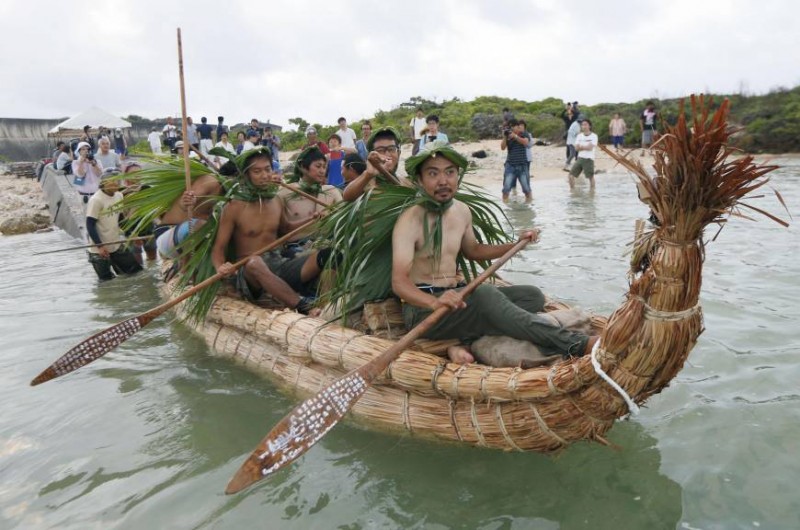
[(332, 192), (207, 183)]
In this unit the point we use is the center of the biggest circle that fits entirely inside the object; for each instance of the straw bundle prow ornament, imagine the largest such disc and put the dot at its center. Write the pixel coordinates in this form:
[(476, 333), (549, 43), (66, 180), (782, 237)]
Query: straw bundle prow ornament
[(643, 346)]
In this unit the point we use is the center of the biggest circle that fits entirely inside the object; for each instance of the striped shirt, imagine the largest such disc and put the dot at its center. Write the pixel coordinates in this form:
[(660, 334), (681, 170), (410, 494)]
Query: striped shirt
[(517, 153)]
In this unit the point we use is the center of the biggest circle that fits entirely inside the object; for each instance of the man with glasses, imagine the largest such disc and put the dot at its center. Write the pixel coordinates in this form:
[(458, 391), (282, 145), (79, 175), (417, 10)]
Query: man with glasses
[(386, 142)]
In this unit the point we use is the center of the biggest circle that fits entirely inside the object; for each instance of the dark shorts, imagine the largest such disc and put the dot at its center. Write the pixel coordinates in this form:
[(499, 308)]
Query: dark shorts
[(122, 261), (287, 269)]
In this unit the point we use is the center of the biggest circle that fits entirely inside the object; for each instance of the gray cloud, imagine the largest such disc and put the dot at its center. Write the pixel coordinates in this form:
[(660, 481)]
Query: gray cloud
[(319, 60)]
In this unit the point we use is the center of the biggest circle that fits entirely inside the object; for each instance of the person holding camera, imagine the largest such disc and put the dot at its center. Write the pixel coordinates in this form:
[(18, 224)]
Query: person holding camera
[(87, 171), (516, 139)]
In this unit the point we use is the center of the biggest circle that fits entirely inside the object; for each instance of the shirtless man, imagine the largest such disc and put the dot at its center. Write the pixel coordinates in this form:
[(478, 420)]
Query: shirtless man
[(309, 176), (251, 220), (175, 225), (426, 282), (386, 142)]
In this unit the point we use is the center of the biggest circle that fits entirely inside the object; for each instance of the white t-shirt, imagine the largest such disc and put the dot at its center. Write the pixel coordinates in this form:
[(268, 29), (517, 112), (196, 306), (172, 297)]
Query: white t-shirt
[(110, 159), (107, 222), (348, 137), (583, 140), (170, 131), (154, 139), (418, 124), (248, 146)]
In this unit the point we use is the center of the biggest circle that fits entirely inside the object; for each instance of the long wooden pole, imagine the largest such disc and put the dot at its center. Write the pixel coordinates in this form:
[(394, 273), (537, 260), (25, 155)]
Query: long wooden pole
[(184, 128), (130, 240), (314, 417)]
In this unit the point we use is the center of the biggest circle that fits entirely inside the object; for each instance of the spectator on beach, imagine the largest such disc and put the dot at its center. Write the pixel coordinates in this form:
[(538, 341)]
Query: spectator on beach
[(106, 156), (361, 144), (170, 133), (241, 138), (347, 135), (417, 125), (274, 143), (617, 129), (204, 131), (120, 145), (516, 140), (313, 140), (433, 132), (336, 159), (57, 151), (154, 139), (221, 127), (255, 126), (102, 226), (225, 143), (585, 144), (252, 141), (572, 133), (87, 137), (87, 171), (63, 161), (648, 120), (191, 133)]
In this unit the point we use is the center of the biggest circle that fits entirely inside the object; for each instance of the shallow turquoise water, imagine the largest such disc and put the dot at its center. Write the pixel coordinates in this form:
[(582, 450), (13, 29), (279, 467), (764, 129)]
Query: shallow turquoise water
[(149, 436)]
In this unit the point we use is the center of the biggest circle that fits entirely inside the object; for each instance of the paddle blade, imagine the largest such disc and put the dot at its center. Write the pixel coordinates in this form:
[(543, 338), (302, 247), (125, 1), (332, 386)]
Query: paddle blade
[(298, 431), (91, 349)]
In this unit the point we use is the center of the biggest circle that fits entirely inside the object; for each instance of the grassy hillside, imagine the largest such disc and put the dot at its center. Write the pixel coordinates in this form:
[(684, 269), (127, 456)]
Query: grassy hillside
[(770, 122)]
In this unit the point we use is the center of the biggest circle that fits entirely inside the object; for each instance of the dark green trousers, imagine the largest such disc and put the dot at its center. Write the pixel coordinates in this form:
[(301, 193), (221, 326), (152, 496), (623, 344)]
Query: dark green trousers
[(508, 311)]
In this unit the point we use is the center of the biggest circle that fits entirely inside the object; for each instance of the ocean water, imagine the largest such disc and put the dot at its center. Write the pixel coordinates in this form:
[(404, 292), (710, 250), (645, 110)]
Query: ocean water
[(148, 436)]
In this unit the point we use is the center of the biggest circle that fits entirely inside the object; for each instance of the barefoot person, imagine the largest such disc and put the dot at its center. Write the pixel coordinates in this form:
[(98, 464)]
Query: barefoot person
[(425, 277), (309, 176), (585, 143), (251, 221)]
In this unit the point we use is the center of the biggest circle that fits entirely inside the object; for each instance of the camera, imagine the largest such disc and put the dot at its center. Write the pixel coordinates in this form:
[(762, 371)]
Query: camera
[(90, 156), (506, 131)]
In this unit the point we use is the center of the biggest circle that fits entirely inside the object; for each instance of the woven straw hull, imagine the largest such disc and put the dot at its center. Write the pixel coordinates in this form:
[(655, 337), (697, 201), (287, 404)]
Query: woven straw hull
[(542, 409)]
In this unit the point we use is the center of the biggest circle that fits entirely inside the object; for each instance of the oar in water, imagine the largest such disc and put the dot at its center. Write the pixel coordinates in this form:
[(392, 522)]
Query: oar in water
[(130, 240), (103, 342), (314, 417)]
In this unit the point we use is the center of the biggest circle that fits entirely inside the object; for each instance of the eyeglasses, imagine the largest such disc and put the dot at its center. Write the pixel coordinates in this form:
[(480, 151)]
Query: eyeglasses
[(388, 150)]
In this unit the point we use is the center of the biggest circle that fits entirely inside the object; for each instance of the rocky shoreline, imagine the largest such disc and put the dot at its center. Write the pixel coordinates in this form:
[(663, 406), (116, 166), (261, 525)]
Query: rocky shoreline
[(22, 207)]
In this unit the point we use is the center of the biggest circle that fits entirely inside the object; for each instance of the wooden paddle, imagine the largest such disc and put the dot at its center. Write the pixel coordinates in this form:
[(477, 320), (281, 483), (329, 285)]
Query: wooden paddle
[(314, 417), (184, 127), (140, 238), (103, 342)]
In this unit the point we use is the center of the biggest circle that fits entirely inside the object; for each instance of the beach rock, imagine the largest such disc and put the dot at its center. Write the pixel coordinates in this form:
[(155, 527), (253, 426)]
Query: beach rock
[(487, 125), (24, 224), (507, 352)]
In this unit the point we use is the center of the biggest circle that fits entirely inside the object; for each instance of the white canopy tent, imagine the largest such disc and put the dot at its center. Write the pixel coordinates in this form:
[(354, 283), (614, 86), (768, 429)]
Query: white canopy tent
[(93, 117)]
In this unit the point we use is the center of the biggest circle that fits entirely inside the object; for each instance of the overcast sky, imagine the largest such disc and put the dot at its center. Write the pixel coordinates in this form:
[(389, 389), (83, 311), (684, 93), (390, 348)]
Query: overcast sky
[(280, 59)]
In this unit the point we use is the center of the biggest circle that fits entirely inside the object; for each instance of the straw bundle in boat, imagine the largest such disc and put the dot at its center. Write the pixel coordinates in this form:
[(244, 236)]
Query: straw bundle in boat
[(644, 343)]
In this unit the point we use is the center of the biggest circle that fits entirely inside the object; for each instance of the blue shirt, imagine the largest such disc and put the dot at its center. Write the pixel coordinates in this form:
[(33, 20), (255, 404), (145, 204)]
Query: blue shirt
[(439, 136)]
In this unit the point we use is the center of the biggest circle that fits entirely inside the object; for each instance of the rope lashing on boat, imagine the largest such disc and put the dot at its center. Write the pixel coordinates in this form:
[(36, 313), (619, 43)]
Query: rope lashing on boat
[(632, 407), (651, 313)]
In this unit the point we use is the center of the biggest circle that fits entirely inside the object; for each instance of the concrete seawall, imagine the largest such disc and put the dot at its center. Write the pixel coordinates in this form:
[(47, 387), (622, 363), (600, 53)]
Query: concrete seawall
[(67, 210), (22, 139)]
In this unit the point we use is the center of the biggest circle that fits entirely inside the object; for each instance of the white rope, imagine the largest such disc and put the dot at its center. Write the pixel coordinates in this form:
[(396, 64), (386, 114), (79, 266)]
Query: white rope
[(632, 407)]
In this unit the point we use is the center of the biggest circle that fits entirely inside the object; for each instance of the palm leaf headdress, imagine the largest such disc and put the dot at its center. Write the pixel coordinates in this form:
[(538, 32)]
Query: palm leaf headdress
[(361, 232)]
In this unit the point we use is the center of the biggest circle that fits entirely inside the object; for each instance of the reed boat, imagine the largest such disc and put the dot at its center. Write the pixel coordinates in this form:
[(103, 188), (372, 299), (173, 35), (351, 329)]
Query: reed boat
[(644, 343)]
